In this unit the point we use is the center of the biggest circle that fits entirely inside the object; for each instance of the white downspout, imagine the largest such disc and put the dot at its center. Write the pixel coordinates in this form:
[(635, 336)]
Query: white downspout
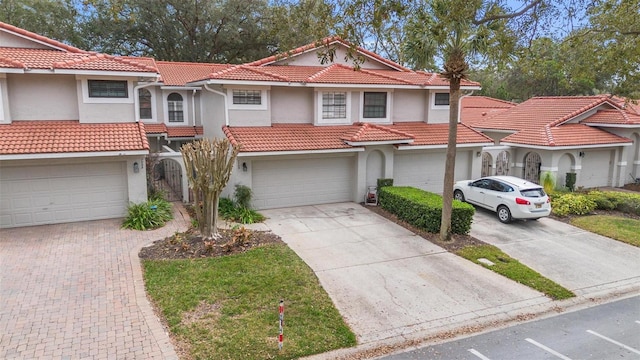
[(460, 104), (136, 97), (226, 109), (193, 106)]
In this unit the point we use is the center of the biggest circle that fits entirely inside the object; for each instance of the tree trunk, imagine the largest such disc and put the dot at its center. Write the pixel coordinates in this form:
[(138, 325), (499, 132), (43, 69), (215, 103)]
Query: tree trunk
[(450, 162)]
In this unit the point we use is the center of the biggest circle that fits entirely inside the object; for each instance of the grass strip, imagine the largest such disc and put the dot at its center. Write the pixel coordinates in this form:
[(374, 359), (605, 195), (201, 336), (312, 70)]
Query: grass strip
[(514, 270), (227, 307), (615, 227)]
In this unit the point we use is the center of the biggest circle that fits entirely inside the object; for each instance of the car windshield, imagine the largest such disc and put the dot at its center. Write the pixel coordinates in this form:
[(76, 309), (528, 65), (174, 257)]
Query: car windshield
[(536, 192)]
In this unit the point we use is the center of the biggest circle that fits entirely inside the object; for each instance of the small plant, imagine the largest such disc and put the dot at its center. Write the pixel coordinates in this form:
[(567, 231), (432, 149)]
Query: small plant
[(548, 182), (570, 181), (243, 196), (148, 215), (209, 245)]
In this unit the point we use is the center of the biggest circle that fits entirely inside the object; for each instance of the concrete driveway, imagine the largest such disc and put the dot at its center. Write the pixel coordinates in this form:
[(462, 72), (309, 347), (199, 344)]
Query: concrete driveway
[(584, 262), (388, 282)]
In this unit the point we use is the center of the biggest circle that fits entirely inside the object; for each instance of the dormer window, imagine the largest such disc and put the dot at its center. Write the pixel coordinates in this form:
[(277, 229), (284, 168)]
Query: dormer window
[(144, 102), (441, 99), (334, 105), (108, 89), (375, 106), (175, 107), (247, 97)]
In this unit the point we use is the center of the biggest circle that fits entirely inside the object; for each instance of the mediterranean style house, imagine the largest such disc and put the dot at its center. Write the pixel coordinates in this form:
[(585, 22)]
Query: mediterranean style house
[(76, 128)]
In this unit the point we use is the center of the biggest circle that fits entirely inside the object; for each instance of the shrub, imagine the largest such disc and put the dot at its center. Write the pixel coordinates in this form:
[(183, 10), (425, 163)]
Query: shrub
[(148, 215), (570, 181), (615, 200), (548, 182), (226, 207), (384, 182), (243, 195), (233, 211), (571, 203), (603, 200), (424, 209)]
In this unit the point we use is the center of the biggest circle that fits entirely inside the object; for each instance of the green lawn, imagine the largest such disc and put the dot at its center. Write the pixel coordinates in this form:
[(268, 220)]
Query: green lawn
[(514, 270), (227, 308), (618, 228)]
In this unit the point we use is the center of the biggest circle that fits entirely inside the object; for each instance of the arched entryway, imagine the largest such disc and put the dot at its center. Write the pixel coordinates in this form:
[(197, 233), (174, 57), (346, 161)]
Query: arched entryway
[(502, 163), (487, 164), (375, 167), (166, 176), (532, 163)]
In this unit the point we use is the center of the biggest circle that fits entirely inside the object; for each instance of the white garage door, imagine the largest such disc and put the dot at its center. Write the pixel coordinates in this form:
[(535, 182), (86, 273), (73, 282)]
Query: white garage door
[(296, 182), (426, 170), (596, 169), (49, 194)]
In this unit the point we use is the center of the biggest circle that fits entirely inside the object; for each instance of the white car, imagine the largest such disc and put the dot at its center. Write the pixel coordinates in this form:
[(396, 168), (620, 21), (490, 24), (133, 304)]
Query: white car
[(510, 197)]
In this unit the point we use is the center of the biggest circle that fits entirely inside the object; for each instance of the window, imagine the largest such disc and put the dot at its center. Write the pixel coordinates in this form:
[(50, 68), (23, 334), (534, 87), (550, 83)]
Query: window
[(108, 89), (334, 105), (175, 107), (441, 99), (144, 102), (247, 97), (375, 105)]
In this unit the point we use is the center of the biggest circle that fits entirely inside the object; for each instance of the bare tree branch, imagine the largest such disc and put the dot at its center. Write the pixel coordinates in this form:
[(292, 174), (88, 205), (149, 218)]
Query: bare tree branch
[(506, 16)]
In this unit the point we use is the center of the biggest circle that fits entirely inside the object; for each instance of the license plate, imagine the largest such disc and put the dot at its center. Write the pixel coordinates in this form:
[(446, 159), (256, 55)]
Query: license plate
[(538, 205)]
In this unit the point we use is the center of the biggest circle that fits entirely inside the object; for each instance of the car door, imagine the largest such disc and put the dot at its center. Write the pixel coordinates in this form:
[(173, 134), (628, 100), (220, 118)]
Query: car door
[(477, 188), (493, 195)]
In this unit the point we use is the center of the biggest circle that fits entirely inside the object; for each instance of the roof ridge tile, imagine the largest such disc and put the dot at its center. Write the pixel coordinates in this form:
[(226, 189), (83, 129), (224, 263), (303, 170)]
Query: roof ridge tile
[(366, 71)]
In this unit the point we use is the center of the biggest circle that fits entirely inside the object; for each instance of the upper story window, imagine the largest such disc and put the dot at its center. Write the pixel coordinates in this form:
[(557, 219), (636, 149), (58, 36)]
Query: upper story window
[(175, 107), (441, 99), (144, 101), (108, 89), (334, 105), (374, 105), (247, 97)]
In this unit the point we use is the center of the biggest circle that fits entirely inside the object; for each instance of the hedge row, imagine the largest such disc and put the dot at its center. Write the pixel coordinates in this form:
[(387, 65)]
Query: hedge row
[(423, 209), (563, 204)]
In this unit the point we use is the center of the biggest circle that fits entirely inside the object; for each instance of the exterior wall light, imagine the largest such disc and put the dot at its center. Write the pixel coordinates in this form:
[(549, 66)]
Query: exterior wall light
[(136, 167), (581, 154), (244, 167)]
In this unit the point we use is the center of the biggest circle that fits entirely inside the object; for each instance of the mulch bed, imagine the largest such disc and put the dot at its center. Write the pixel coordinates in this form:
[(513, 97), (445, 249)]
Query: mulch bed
[(190, 245)]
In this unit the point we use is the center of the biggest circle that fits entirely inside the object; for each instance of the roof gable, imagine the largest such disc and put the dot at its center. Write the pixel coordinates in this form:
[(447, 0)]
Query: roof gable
[(12, 36), (308, 55)]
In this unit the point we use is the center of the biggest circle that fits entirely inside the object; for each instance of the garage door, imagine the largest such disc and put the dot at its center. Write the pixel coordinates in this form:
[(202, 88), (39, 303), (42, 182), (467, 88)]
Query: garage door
[(426, 170), (596, 169), (296, 182), (36, 195)]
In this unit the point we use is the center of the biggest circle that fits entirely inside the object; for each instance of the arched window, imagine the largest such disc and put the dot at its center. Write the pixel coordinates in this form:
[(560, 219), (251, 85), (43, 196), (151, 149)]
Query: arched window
[(144, 102), (175, 107)]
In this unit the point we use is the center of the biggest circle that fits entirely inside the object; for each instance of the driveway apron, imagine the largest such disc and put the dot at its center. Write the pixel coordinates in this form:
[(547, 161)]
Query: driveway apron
[(387, 281), (75, 291), (584, 262)]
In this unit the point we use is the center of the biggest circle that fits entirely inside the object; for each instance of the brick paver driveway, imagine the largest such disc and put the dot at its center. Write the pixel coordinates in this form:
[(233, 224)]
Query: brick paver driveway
[(75, 291)]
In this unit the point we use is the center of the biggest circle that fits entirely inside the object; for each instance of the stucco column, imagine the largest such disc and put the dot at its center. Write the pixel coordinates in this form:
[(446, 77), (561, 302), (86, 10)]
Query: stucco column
[(137, 179), (361, 177)]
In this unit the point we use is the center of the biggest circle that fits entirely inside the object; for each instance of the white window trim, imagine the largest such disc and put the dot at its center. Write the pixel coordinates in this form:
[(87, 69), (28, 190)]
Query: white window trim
[(336, 121), (433, 100), (185, 108), (263, 101), (98, 100), (385, 120), (154, 108)]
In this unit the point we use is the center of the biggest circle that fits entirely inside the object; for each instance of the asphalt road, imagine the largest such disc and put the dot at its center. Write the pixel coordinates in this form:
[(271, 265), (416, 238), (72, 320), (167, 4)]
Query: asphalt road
[(608, 331)]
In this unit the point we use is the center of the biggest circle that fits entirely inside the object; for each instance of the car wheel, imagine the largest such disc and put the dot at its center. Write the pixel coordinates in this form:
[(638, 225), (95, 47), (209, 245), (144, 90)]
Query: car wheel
[(458, 195), (504, 215)]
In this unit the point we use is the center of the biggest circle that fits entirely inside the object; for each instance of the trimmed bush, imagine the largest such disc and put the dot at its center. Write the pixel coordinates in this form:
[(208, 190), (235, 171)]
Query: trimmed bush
[(384, 182), (571, 203), (570, 181), (616, 200), (423, 209), (148, 215), (603, 200)]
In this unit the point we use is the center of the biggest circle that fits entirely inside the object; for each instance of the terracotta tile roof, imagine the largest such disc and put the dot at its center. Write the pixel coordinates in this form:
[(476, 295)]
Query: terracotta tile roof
[(565, 135), (307, 137), (475, 109), (46, 137), (366, 132), (540, 111), (174, 131), (23, 58), (437, 134), (613, 117), (180, 73), (40, 38)]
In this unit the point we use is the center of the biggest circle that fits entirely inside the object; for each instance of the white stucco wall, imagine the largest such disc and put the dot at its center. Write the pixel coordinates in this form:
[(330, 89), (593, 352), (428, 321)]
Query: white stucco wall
[(409, 105), (213, 119), (10, 40), (42, 97), (292, 105), (5, 115), (436, 114), (104, 110)]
